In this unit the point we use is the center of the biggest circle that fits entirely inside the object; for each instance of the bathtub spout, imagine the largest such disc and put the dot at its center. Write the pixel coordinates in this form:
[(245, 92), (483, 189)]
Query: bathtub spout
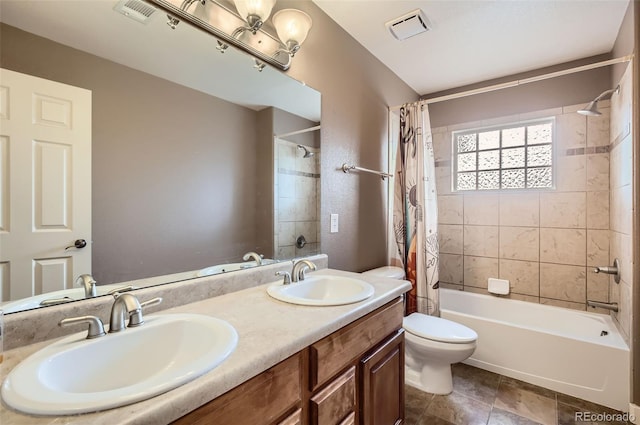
[(607, 306)]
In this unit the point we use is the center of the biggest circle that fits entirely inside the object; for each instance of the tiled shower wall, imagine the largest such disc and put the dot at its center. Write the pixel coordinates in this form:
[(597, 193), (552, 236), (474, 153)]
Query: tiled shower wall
[(296, 200), (545, 242), (621, 200)]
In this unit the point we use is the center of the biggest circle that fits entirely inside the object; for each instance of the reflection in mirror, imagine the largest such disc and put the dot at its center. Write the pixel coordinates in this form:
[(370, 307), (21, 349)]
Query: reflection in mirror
[(296, 193), (182, 154)]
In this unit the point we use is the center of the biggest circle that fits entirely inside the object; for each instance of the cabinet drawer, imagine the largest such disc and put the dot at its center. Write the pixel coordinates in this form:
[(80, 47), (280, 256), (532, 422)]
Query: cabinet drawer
[(332, 354), (261, 400), (349, 420), (293, 419), (336, 402)]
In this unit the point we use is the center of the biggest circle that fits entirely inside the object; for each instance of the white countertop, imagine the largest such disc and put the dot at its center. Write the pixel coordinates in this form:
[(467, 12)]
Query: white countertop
[(269, 332)]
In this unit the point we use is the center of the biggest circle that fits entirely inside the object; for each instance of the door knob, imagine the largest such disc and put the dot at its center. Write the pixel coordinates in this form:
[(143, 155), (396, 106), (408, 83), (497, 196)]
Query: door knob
[(79, 243)]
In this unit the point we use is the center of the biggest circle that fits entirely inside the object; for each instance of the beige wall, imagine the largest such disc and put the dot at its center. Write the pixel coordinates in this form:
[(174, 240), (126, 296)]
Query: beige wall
[(544, 242)]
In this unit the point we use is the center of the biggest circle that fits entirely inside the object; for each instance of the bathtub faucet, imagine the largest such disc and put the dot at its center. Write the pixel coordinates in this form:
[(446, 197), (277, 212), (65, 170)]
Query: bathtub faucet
[(607, 306)]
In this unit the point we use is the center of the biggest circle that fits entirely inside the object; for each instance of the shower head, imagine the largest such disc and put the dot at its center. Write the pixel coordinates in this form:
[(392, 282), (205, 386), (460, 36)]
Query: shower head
[(592, 108), (307, 152)]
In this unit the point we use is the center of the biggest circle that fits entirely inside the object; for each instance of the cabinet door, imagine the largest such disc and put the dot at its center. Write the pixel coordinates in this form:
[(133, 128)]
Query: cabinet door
[(336, 403), (382, 383), (293, 419)]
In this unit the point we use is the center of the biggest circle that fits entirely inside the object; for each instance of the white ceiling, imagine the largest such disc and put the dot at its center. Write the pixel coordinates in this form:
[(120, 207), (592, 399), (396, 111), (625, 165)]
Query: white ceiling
[(175, 55), (472, 41)]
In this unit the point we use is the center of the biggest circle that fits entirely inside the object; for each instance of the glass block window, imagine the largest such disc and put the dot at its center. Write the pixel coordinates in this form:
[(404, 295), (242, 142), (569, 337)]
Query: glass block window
[(513, 156)]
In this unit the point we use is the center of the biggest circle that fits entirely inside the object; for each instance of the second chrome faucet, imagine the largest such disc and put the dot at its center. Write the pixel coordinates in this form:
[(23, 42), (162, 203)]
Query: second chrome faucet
[(297, 273), (127, 306)]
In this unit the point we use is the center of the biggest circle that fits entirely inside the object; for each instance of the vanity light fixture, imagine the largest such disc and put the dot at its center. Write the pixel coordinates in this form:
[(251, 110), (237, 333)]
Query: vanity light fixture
[(243, 27)]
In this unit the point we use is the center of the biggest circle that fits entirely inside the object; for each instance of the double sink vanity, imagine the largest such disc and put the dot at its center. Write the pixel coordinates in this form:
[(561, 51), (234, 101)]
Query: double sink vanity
[(325, 348)]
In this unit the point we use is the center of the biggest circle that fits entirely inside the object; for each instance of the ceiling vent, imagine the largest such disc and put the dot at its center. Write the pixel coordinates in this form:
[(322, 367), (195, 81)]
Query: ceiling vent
[(408, 25), (135, 9)]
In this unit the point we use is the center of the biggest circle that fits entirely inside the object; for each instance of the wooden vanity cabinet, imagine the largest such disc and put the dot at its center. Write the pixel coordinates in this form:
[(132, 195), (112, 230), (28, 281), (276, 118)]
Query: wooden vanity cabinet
[(353, 376), (372, 346)]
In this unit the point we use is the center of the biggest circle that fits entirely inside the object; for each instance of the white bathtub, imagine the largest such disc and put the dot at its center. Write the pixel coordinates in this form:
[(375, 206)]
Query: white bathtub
[(552, 347)]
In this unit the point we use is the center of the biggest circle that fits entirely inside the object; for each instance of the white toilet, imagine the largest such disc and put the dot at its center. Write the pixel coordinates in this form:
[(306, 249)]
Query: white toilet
[(432, 345)]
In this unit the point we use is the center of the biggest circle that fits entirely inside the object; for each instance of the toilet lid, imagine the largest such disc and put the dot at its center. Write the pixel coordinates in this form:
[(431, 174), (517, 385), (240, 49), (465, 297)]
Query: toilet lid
[(390, 272), (438, 329)]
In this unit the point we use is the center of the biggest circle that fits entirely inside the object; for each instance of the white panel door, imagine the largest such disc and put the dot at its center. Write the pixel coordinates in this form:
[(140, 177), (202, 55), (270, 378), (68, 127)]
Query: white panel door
[(45, 183)]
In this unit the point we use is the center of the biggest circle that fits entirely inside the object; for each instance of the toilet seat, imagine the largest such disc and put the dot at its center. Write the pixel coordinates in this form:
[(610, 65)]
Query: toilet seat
[(438, 329)]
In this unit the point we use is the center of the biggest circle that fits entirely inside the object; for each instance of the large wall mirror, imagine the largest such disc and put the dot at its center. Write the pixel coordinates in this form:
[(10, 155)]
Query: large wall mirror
[(197, 158)]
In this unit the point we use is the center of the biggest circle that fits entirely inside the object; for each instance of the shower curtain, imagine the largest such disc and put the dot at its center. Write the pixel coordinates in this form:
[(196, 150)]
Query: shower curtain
[(415, 213)]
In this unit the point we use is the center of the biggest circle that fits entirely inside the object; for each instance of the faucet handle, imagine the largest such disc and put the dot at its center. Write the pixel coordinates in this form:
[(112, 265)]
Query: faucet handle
[(287, 277), (96, 328), (136, 319), (55, 301), (121, 289), (151, 302)]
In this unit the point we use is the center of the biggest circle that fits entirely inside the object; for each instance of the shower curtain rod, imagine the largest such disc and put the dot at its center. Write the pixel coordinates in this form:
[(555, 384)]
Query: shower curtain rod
[(520, 82), (306, 130)]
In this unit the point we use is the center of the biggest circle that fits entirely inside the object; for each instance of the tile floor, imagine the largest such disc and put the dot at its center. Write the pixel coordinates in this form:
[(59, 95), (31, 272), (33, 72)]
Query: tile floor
[(482, 397)]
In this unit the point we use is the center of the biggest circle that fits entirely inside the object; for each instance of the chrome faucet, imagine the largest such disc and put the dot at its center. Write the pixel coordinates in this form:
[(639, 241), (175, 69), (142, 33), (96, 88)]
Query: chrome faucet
[(127, 306), (89, 284), (607, 306), (297, 274), (257, 257)]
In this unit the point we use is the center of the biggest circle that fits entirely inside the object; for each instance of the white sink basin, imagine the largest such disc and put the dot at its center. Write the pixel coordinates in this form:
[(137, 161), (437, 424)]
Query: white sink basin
[(77, 375), (322, 290)]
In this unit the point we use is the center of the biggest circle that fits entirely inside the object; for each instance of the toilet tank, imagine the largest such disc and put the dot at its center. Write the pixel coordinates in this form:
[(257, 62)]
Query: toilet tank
[(389, 272)]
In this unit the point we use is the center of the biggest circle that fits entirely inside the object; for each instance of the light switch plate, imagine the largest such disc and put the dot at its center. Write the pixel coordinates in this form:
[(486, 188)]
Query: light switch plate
[(334, 223)]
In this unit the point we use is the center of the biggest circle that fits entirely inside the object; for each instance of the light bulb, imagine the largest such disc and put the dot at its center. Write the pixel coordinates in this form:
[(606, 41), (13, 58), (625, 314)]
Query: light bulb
[(258, 8), (292, 26)]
